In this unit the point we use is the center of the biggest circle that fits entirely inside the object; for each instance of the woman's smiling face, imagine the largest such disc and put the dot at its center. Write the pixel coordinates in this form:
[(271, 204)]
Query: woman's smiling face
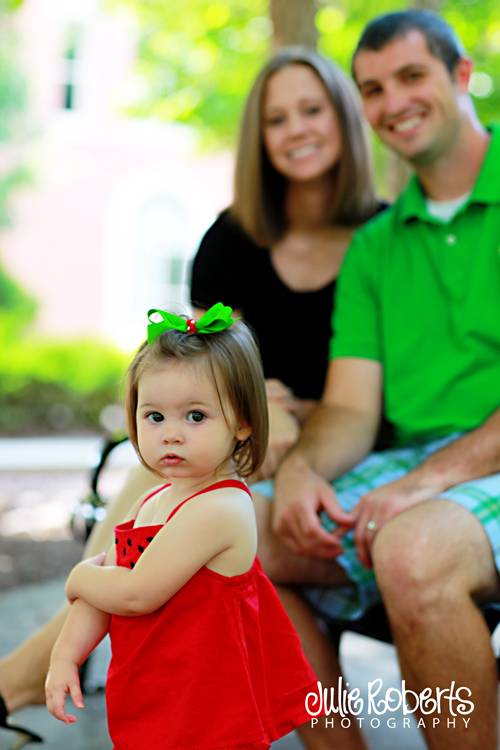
[(299, 126)]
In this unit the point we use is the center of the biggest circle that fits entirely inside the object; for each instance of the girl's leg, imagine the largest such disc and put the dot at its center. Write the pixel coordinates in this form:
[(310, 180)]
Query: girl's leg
[(23, 671)]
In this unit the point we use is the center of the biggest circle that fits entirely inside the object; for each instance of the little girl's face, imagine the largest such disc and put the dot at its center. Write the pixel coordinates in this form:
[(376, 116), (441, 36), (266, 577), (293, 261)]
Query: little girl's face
[(181, 429)]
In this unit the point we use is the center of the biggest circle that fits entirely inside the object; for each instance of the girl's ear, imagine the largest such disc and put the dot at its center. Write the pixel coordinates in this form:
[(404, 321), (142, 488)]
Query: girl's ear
[(243, 433)]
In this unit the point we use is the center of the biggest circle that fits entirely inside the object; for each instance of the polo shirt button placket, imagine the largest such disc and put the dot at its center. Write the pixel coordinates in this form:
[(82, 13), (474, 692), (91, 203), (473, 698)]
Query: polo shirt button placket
[(451, 239)]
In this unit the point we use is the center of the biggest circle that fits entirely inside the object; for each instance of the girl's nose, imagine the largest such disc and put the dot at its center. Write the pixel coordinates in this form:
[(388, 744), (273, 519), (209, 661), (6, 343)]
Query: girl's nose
[(172, 433)]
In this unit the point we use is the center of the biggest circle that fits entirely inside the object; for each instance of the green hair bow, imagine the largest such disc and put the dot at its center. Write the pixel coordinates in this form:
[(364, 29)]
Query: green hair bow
[(217, 318)]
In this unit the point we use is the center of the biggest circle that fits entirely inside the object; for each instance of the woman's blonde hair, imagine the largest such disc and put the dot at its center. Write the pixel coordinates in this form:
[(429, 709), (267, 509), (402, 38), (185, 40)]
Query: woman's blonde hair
[(259, 190), (232, 361)]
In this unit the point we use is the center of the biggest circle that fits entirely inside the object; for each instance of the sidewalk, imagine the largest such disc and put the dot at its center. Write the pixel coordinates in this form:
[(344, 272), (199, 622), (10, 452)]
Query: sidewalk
[(67, 453)]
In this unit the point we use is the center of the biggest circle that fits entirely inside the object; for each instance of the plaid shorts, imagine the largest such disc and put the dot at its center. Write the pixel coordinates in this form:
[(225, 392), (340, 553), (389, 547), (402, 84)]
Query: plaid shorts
[(481, 497)]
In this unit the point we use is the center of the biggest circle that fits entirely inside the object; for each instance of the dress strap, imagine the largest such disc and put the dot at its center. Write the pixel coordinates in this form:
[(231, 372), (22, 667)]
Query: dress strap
[(152, 494), (236, 483)]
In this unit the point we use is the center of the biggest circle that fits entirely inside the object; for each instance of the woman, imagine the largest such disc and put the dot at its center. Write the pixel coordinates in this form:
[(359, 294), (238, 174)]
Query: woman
[(302, 185)]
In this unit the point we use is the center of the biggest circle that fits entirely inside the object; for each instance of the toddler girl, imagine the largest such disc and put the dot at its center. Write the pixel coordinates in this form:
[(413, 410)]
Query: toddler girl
[(203, 654)]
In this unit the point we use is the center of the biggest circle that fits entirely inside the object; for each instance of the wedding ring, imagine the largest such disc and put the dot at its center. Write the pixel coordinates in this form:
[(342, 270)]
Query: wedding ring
[(371, 525)]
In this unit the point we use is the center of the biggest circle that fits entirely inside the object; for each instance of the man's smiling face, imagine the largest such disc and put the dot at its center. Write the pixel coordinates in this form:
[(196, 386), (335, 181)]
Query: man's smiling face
[(410, 98)]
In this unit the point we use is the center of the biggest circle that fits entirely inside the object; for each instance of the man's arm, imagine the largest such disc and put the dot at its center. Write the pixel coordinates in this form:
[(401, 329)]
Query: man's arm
[(337, 435), (342, 429), (471, 456)]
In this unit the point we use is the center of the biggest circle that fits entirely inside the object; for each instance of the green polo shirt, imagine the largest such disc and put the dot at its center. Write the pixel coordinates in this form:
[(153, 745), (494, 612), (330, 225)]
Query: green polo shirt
[(422, 297)]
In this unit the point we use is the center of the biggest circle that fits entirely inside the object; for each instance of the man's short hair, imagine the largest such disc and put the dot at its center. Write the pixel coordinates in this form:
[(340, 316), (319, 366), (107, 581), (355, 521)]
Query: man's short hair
[(441, 40)]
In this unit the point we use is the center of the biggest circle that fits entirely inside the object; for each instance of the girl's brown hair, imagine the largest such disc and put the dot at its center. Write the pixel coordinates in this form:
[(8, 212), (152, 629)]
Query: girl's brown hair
[(259, 190), (233, 361)]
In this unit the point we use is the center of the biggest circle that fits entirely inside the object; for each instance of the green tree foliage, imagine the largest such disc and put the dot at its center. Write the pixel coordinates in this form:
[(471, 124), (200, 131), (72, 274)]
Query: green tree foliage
[(7, 6), (476, 22), (13, 96), (197, 61), (48, 385), (16, 307), (45, 385)]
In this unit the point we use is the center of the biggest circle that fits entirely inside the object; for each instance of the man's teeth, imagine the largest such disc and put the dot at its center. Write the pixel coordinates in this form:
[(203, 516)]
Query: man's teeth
[(297, 153), (401, 127)]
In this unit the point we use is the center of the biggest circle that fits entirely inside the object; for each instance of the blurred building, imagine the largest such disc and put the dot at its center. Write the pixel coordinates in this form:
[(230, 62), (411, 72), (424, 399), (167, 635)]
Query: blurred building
[(117, 205)]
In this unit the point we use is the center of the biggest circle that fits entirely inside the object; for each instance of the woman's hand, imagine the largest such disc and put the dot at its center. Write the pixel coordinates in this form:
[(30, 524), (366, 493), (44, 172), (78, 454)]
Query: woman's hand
[(63, 678), (277, 392), (71, 588), (283, 433)]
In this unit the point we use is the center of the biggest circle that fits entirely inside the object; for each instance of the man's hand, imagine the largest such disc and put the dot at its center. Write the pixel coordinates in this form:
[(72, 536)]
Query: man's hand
[(71, 588), (377, 507), (301, 495), (283, 433), (63, 678)]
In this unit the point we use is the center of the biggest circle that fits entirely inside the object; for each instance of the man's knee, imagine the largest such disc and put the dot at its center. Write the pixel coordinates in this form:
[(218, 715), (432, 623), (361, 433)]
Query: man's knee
[(406, 575), (417, 569), (430, 558)]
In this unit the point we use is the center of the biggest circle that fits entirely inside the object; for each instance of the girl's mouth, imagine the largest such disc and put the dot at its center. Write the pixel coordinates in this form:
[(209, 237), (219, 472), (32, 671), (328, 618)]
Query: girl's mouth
[(171, 459)]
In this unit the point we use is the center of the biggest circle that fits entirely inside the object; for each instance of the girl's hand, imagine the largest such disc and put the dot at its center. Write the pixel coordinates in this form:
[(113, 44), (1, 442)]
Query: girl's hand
[(71, 588), (63, 678), (95, 560)]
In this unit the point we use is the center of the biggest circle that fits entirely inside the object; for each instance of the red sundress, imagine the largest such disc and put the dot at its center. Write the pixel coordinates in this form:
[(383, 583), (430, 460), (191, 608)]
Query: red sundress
[(218, 667)]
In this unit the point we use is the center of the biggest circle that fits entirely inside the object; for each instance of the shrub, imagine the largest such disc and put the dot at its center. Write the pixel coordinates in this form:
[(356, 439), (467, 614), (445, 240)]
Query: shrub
[(48, 385)]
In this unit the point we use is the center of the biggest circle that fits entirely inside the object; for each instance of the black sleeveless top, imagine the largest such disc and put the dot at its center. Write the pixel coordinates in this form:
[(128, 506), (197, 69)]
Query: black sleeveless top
[(292, 328)]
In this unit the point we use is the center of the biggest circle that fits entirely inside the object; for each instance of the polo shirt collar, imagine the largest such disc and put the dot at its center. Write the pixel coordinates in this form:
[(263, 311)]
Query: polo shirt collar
[(411, 203), (487, 187)]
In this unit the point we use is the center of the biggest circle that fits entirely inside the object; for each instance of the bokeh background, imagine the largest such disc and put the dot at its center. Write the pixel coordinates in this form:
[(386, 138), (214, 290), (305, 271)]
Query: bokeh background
[(118, 121), (117, 126)]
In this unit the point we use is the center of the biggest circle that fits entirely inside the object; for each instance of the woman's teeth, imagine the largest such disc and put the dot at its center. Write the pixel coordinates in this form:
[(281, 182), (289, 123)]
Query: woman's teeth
[(299, 153)]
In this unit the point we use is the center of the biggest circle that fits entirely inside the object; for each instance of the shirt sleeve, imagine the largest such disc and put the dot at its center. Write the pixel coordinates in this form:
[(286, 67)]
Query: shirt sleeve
[(356, 316), (214, 270)]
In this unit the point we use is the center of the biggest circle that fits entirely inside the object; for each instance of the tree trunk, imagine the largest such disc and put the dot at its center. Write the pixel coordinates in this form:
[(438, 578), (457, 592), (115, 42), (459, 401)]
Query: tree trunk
[(434, 5), (293, 23)]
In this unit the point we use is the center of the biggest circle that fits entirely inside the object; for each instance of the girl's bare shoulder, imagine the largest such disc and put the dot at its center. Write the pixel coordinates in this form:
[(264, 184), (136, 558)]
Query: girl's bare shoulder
[(226, 506)]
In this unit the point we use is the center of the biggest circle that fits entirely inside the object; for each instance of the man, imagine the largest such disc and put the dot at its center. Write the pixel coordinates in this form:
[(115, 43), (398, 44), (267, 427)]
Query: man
[(417, 320)]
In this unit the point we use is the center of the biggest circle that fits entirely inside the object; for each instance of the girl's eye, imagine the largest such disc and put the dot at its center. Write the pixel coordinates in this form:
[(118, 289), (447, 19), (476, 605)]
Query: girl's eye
[(154, 417), (313, 110), (195, 416)]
